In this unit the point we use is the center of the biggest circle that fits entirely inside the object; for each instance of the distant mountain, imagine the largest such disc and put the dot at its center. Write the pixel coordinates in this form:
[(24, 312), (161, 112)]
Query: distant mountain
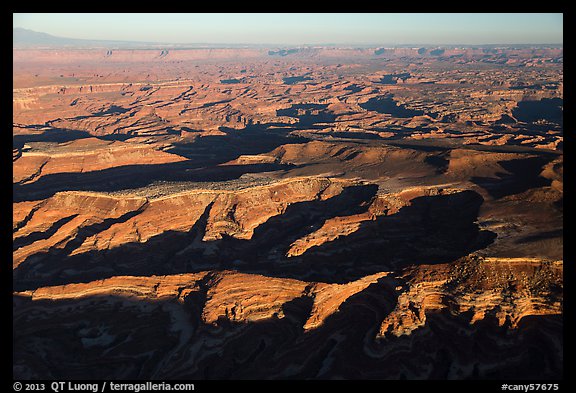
[(24, 38)]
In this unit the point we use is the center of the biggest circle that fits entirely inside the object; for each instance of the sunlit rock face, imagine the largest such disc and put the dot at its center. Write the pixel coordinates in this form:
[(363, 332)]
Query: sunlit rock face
[(296, 213)]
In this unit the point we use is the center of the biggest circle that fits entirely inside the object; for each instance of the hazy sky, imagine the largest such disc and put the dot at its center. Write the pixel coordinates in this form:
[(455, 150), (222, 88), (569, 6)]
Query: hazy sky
[(354, 28)]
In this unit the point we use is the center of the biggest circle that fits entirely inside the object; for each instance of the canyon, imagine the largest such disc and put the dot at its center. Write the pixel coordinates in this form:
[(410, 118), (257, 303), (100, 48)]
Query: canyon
[(288, 213)]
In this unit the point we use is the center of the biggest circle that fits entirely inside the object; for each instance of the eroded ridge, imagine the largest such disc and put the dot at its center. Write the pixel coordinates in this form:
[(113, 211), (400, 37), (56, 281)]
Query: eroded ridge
[(215, 309), (288, 213)]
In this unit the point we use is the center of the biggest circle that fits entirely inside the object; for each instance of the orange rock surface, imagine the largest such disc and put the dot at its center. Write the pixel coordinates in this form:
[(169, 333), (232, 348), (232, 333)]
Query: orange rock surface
[(288, 213)]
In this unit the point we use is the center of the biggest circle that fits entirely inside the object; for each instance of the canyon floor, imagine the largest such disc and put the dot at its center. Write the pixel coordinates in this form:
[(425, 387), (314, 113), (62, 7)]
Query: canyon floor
[(305, 213)]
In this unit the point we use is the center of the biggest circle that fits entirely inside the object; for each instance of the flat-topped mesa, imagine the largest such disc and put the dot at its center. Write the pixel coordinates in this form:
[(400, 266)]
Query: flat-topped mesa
[(85, 155), (130, 55), (347, 152), (470, 290), (464, 163), (474, 288), (137, 219), (231, 213), (144, 288), (366, 161), (165, 55), (253, 159), (232, 296)]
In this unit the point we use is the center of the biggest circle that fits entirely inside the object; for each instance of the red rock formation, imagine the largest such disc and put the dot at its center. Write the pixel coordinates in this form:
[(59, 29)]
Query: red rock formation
[(287, 213), (85, 155), (508, 289)]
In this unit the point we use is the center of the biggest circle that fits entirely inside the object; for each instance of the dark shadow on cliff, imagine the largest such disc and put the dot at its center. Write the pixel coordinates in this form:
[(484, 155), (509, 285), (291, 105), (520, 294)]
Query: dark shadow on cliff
[(134, 176), (549, 109), (217, 149), (174, 252), (117, 337), (308, 114), (434, 229), (203, 158), (387, 105), (484, 350), (54, 135), (40, 235), (524, 174)]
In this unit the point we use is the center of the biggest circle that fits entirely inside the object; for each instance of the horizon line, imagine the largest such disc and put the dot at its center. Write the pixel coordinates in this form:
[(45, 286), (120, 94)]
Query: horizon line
[(277, 45)]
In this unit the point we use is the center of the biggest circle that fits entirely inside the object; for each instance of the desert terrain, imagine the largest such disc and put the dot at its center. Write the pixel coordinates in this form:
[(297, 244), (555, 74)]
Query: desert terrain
[(288, 213)]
